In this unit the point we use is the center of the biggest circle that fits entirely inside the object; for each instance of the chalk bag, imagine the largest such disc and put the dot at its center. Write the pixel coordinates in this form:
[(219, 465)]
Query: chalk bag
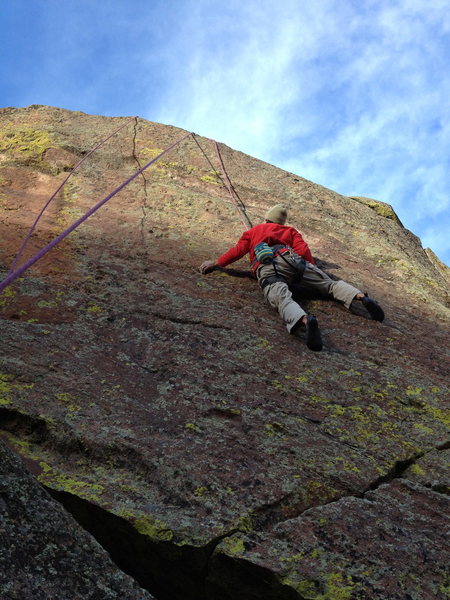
[(263, 253)]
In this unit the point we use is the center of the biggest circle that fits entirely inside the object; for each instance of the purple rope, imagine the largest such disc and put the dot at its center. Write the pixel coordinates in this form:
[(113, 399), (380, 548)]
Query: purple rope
[(12, 276), (33, 227), (234, 197)]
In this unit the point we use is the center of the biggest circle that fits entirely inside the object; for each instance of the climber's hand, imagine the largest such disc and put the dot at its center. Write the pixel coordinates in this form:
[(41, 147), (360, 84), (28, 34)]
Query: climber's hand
[(207, 266)]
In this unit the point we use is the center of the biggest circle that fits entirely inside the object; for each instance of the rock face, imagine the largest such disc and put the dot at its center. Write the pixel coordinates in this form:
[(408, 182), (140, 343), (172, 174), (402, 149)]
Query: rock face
[(44, 552), (212, 455)]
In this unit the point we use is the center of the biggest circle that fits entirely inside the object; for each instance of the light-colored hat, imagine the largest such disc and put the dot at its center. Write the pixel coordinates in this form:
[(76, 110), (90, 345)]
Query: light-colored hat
[(277, 214)]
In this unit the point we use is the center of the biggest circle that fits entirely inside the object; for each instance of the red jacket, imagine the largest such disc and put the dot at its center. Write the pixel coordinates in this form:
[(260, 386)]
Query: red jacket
[(272, 233)]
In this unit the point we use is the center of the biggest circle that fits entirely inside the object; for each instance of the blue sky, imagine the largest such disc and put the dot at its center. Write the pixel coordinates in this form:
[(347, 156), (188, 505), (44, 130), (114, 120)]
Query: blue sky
[(352, 94)]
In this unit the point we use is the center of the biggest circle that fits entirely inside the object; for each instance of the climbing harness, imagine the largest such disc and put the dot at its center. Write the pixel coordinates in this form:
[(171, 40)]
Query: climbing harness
[(270, 253)]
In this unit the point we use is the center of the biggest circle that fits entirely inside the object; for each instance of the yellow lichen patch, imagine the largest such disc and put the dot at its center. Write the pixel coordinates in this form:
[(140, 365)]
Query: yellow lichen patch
[(416, 470), (8, 385), (69, 401), (44, 466), (234, 546), (6, 297), (413, 391), (246, 523), (319, 399), (273, 429), (349, 372), (338, 587), (438, 414), (306, 588), (93, 308), (170, 165), (60, 481), (193, 427), (263, 343), (24, 142), (347, 465), (423, 428), (210, 179), (68, 211), (5, 389), (381, 208), (150, 152), (278, 385), (153, 528), (47, 304)]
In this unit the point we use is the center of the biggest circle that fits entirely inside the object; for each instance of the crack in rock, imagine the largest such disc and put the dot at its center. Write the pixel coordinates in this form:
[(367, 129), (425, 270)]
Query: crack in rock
[(36, 430), (186, 321), (144, 206), (395, 472), (168, 570), (175, 570), (269, 515)]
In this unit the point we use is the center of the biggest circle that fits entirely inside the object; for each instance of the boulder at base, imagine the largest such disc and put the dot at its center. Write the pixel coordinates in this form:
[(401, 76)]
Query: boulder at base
[(44, 552)]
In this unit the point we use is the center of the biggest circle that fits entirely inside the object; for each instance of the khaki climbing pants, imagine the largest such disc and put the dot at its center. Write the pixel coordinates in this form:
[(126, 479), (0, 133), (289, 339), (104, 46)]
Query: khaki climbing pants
[(279, 296)]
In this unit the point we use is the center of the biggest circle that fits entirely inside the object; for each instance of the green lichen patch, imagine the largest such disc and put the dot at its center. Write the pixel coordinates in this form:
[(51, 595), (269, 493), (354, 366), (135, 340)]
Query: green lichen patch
[(50, 476), (93, 308), (264, 344), (331, 586)]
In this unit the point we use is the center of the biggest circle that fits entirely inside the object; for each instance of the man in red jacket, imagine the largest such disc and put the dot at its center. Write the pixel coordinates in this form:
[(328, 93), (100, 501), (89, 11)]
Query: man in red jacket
[(291, 262)]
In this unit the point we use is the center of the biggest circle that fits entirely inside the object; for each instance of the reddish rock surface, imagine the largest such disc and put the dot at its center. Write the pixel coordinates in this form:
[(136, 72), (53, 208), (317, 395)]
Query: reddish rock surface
[(172, 413)]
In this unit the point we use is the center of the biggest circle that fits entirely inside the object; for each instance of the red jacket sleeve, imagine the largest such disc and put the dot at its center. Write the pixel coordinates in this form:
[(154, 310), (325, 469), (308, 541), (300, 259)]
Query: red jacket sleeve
[(237, 252), (301, 247)]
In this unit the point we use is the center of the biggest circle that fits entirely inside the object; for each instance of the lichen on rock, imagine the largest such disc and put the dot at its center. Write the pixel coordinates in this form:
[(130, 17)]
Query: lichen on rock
[(213, 455)]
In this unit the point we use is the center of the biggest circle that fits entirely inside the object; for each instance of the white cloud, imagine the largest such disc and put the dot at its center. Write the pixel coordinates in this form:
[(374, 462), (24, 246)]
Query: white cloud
[(242, 95), (354, 98)]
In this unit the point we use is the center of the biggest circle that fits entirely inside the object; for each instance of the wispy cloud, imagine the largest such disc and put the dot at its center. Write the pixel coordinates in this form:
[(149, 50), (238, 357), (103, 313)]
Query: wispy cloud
[(354, 97), (242, 89)]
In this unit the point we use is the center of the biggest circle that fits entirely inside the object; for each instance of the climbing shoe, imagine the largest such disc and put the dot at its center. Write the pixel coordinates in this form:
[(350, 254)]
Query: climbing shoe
[(313, 337), (373, 308)]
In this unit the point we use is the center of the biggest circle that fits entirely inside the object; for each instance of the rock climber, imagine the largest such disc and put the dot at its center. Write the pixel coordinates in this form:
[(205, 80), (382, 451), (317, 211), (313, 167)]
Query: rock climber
[(286, 258)]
